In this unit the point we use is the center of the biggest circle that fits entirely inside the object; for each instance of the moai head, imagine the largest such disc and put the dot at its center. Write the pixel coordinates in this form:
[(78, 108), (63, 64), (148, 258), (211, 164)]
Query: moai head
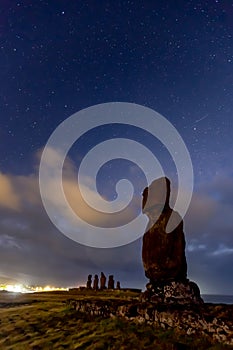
[(156, 197)]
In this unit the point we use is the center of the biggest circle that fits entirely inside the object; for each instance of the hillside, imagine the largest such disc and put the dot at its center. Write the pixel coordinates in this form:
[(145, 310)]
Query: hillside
[(44, 321)]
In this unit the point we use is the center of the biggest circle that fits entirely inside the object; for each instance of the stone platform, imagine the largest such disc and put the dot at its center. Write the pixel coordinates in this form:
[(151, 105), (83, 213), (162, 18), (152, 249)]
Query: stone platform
[(212, 321), (173, 292)]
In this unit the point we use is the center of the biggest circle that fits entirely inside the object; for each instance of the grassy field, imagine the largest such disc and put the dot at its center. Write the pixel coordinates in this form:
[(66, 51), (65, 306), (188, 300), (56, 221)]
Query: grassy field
[(43, 321)]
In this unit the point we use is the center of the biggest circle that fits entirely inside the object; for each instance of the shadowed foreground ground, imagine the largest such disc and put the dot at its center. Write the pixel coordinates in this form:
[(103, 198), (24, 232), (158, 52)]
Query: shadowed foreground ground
[(43, 321)]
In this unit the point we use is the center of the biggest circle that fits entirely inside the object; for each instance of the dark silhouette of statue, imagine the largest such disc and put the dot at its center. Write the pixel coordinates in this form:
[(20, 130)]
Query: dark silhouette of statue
[(102, 281), (89, 281), (96, 283), (111, 282), (163, 254)]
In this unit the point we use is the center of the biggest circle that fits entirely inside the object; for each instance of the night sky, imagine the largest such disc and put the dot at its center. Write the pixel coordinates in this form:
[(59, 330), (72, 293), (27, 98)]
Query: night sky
[(58, 57)]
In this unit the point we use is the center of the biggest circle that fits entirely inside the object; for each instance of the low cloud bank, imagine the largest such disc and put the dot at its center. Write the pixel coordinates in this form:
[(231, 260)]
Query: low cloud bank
[(32, 250)]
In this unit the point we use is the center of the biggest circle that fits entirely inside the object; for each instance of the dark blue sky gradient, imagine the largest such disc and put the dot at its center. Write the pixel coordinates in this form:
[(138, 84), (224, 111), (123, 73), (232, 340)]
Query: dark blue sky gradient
[(60, 57)]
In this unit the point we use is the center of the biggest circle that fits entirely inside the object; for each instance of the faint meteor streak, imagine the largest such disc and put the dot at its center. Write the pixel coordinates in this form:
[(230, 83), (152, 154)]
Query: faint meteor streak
[(199, 120)]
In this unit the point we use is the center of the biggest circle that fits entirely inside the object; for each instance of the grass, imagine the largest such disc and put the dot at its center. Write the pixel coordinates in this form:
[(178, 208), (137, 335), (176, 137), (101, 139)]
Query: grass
[(43, 321)]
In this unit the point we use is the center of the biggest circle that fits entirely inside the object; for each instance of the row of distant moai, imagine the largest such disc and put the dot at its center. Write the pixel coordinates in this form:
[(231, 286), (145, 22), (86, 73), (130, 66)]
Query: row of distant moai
[(111, 282)]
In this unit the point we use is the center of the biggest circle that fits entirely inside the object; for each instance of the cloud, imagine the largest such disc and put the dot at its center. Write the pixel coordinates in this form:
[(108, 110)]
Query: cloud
[(195, 246), (31, 248), (8, 197), (34, 251), (222, 250), (80, 212)]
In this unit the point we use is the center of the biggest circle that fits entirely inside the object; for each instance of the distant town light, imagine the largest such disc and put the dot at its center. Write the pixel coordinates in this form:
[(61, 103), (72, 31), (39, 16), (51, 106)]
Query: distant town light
[(19, 288)]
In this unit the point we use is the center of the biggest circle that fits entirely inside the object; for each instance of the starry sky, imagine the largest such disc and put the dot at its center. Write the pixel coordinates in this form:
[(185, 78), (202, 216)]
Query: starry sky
[(58, 57)]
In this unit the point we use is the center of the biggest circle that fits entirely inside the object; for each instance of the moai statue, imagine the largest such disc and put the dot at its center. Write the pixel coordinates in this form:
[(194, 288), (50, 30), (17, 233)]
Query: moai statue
[(89, 281), (118, 285), (163, 253), (96, 283), (102, 281), (111, 282)]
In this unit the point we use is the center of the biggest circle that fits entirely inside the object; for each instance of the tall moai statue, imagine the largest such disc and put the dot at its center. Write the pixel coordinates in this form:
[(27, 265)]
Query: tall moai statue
[(118, 285), (163, 253), (89, 281), (102, 281), (111, 282), (96, 283)]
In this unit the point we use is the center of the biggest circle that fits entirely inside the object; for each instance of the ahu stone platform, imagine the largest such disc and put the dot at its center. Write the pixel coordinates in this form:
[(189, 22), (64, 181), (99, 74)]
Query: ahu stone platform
[(213, 321)]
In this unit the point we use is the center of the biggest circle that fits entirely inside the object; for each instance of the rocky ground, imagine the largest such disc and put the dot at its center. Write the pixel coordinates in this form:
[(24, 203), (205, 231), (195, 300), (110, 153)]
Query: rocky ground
[(57, 321)]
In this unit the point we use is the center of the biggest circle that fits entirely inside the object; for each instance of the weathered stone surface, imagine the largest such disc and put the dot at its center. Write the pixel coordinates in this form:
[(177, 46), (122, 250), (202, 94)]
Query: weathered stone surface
[(102, 281), (212, 321), (89, 281), (111, 282), (96, 283), (163, 254), (173, 292)]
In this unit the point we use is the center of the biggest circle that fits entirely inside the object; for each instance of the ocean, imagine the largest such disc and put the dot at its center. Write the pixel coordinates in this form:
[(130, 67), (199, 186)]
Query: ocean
[(217, 299)]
